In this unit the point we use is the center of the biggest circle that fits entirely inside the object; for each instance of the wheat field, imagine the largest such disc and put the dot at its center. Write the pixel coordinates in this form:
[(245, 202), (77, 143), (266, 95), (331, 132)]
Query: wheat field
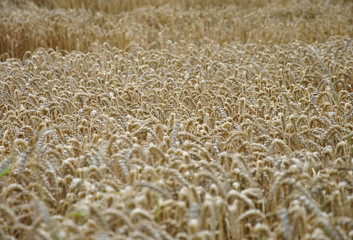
[(156, 119)]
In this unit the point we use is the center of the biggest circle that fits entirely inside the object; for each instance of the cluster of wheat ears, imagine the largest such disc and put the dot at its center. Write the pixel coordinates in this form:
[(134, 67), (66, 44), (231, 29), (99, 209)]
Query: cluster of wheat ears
[(188, 120)]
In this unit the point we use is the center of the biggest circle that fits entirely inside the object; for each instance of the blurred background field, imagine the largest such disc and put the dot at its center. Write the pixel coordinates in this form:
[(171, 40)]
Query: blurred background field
[(150, 24)]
